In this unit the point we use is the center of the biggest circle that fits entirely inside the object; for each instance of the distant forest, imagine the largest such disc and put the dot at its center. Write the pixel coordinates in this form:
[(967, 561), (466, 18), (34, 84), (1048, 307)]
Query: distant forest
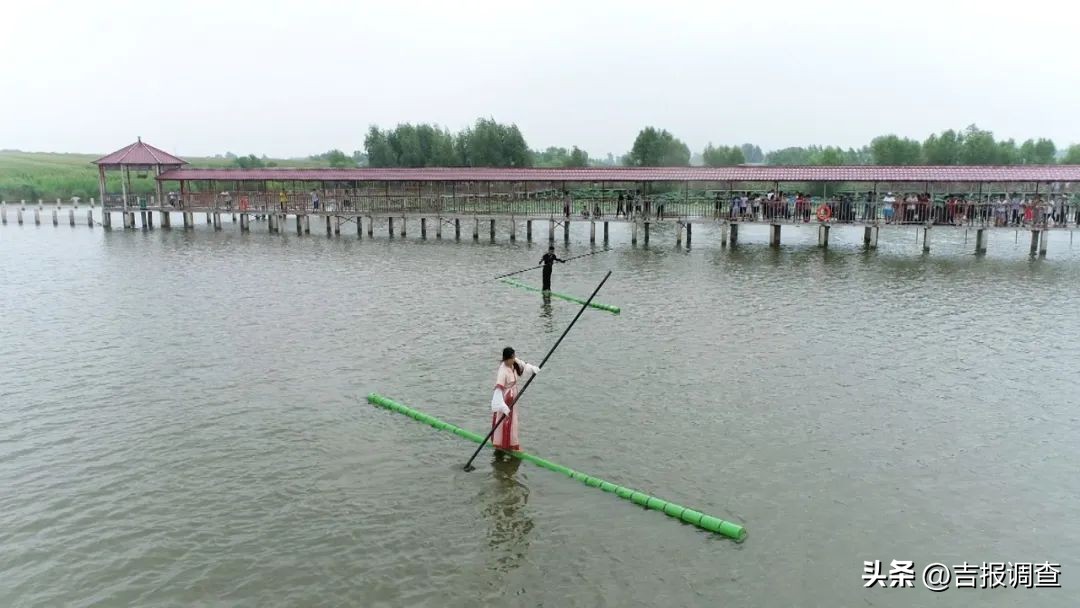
[(491, 144)]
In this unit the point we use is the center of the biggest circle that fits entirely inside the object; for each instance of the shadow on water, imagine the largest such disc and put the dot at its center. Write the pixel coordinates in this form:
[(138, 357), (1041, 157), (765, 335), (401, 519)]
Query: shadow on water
[(546, 313), (508, 524)]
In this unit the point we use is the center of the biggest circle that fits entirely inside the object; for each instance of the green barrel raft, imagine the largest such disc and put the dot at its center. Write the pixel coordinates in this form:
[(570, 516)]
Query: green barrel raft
[(605, 307), (690, 516)]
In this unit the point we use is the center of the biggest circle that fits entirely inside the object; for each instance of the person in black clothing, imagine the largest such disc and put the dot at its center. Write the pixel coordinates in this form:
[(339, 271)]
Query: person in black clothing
[(548, 261)]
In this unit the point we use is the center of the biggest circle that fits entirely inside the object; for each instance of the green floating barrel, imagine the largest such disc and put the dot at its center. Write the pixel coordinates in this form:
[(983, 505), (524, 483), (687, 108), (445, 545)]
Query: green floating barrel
[(690, 516), (562, 296)]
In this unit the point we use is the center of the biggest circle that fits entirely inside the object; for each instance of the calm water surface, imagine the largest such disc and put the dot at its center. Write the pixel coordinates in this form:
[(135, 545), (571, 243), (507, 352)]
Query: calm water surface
[(182, 419)]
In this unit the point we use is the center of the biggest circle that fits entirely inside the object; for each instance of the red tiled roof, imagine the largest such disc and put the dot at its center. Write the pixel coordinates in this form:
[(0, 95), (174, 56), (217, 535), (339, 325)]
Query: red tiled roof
[(139, 153), (861, 173)]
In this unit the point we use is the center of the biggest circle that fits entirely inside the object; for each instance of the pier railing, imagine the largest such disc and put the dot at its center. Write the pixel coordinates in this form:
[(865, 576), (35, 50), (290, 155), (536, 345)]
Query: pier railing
[(967, 213)]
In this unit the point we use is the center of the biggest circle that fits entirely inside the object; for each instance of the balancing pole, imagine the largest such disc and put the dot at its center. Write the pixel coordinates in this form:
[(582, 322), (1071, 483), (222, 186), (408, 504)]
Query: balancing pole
[(509, 274), (468, 465)]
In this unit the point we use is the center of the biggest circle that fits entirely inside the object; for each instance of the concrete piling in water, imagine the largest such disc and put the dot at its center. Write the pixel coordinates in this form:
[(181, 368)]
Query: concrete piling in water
[(646, 227), (56, 215), (166, 219), (723, 235), (90, 217), (678, 233), (243, 222), (423, 228), (605, 233), (774, 235), (1044, 237), (457, 229), (71, 216), (299, 225), (551, 231), (926, 240), (734, 229), (148, 220), (492, 230), (37, 217), (633, 233), (823, 236), (689, 233), (403, 223), (3, 213), (980, 241), (328, 228), (476, 229), (513, 229), (209, 218), (217, 221), (592, 231), (566, 231), (234, 218), (359, 227), (19, 215), (187, 220), (528, 230)]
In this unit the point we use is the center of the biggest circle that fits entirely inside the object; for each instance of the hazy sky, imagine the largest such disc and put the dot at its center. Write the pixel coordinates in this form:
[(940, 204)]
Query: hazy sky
[(295, 78)]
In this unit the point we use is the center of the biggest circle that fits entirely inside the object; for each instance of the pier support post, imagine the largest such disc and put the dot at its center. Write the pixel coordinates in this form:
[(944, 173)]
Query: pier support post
[(71, 216), (371, 226), (148, 219), (980, 240), (823, 235), (243, 222), (37, 217), (592, 231), (359, 227), (337, 225), (390, 226), (774, 235), (551, 231), (299, 225), (566, 231), (513, 229), (404, 223), (678, 233), (605, 232), (209, 218), (926, 239), (1034, 241), (19, 215), (646, 226), (3, 213), (438, 227), (423, 228), (90, 217), (528, 231), (307, 224), (217, 221), (633, 234), (492, 230), (188, 220), (234, 218), (166, 219), (866, 236), (56, 216), (689, 234), (328, 228), (271, 222), (476, 229), (457, 228), (1043, 238), (734, 234)]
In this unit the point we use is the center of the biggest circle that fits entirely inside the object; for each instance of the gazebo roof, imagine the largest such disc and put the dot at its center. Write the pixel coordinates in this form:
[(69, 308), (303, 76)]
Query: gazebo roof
[(139, 154)]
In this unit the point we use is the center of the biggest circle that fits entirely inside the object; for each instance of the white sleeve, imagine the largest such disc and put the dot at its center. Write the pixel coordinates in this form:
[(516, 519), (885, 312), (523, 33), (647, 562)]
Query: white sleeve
[(498, 404)]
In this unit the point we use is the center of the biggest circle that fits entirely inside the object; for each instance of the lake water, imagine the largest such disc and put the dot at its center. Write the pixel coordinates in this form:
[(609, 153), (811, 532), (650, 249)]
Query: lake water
[(182, 419)]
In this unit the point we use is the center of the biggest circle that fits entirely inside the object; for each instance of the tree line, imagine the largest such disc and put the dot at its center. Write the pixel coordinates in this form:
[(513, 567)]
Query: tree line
[(488, 143)]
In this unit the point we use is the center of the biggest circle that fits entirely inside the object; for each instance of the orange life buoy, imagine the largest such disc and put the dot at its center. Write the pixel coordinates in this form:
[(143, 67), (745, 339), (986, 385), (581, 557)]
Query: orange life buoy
[(824, 213), (243, 203)]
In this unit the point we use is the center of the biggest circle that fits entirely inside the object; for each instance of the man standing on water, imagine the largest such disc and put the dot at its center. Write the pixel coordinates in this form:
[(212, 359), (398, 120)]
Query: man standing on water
[(548, 261)]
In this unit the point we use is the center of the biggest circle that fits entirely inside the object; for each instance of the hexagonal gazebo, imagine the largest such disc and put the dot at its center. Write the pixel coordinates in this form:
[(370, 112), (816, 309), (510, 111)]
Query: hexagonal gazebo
[(139, 157)]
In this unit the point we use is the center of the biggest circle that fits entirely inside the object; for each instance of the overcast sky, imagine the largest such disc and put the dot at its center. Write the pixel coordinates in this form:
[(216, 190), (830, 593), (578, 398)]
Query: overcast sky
[(296, 78)]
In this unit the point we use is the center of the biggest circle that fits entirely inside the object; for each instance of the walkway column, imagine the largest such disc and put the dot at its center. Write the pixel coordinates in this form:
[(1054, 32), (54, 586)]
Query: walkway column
[(90, 217), (551, 231), (476, 229), (633, 233), (774, 235), (926, 239), (166, 219), (209, 217), (592, 231), (328, 228), (438, 227), (528, 230), (359, 227), (148, 219), (337, 225), (56, 215), (1043, 242), (390, 226), (423, 228), (823, 235), (37, 216), (71, 216), (3, 213), (980, 240), (513, 229), (734, 234), (605, 232), (299, 225), (307, 224), (457, 228), (678, 233), (723, 235), (689, 234), (187, 220), (404, 224), (243, 222), (19, 215), (371, 226), (566, 231), (217, 221), (492, 229)]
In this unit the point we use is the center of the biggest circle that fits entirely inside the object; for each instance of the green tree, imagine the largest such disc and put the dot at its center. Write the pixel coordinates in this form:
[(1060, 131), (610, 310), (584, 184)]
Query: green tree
[(1072, 155), (658, 148), (378, 149), (893, 150), (723, 156), (979, 147), (752, 153), (1007, 153), (942, 149), (249, 162), (491, 144), (1042, 152), (577, 158), (795, 155), (830, 156)]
